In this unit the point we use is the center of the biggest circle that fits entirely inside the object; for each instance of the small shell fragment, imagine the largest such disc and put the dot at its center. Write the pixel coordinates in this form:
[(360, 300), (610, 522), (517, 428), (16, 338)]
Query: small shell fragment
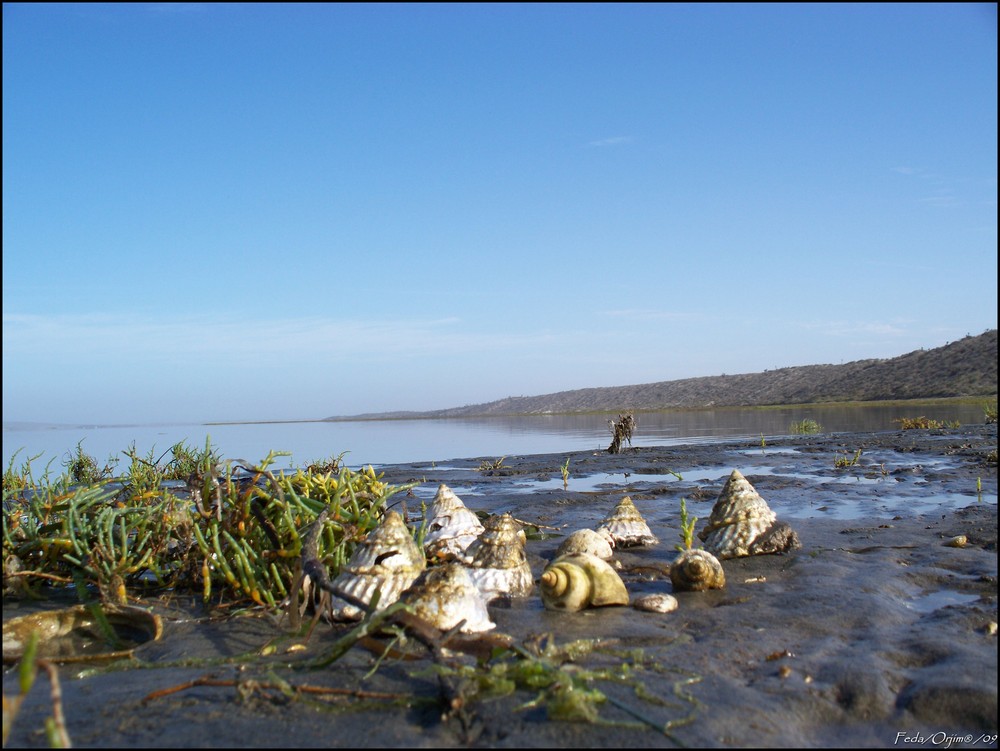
[(626, 527), (656, 603), (959, 541)]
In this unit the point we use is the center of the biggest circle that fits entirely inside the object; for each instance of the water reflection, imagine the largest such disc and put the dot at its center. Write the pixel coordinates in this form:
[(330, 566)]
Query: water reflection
[(402, 441)]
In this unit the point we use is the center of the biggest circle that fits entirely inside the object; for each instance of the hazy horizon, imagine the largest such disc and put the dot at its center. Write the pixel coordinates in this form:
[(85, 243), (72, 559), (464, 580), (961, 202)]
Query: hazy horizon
[(14, 425), (221, 213)]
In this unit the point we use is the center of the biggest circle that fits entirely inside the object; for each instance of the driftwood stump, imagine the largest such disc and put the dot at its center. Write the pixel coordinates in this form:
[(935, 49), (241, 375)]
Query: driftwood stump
[(621, 430)]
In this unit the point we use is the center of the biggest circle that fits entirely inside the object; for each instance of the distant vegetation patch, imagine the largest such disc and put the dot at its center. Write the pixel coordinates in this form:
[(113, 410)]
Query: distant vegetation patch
[(806, 427), (990, 413), (924, 423)]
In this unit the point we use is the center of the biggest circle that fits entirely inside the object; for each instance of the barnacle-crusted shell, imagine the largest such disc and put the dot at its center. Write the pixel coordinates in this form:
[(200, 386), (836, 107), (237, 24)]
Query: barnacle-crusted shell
[(575, 582), (587, 541), (451, 527), (445, 595), (743, 524), (656, 603), (626, 527), (388, 560), (498, 564), (695, 571)]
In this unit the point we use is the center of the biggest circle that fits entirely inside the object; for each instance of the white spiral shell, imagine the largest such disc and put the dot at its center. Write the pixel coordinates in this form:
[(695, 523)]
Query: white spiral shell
[(451, 526), (579, 581), (388, 560)]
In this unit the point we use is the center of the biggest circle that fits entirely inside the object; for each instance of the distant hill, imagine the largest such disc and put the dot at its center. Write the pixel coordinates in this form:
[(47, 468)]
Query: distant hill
[(967, 367)]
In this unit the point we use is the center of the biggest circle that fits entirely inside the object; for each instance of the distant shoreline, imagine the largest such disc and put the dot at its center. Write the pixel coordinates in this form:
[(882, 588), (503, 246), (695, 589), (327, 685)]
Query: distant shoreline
[(389, 416), (929, 402)]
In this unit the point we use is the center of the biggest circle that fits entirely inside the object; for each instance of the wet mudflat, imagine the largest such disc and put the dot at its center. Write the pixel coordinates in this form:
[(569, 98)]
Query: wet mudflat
[(875, 633)]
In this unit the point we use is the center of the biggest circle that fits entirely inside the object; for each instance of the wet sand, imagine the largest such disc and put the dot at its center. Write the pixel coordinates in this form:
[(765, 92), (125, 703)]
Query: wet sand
[(874, 634)]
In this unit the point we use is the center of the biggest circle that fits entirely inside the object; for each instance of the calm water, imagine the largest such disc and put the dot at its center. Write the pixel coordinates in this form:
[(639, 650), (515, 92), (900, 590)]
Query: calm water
[(402, 441)]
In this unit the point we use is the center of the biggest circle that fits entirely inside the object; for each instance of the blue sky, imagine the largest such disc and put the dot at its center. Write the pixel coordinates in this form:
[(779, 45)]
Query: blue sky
[(230, 212)]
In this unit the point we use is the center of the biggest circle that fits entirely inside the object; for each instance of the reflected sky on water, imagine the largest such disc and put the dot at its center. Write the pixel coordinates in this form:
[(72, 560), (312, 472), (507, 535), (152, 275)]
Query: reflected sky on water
[(403, 441)]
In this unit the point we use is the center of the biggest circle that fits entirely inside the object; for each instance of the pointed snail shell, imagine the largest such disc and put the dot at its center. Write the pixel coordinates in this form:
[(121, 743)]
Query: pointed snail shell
[(497, 561), (575, 582), (387, 560), (742, 523), (626, 527), (451, 527)]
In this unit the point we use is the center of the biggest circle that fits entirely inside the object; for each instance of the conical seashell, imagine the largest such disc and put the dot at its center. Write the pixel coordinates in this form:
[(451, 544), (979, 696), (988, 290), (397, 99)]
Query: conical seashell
[(451, 527), (498, 564), (695, 571), (445, 595), (587, 541), (388, 560), (743, 524), (626, 527), (579, 581)]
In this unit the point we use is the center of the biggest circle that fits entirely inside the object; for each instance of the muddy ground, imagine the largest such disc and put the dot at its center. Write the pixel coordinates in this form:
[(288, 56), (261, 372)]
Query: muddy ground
[(875, 633)]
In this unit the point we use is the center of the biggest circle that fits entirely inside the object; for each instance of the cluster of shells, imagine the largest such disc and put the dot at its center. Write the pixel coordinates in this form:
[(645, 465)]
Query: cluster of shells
[(581, 576), (741, 524), (475, 562)]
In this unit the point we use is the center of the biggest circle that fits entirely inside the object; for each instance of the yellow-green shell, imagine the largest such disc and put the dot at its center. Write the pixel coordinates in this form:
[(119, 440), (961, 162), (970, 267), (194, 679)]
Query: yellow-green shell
[(578, 581)]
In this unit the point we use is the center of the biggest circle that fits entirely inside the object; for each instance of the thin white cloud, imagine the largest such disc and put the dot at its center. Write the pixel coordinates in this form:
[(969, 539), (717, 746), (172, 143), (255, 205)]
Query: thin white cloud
[(900, 265), (649, 314), (175, 8), (940, 200), (858, 328), (613, 141)]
